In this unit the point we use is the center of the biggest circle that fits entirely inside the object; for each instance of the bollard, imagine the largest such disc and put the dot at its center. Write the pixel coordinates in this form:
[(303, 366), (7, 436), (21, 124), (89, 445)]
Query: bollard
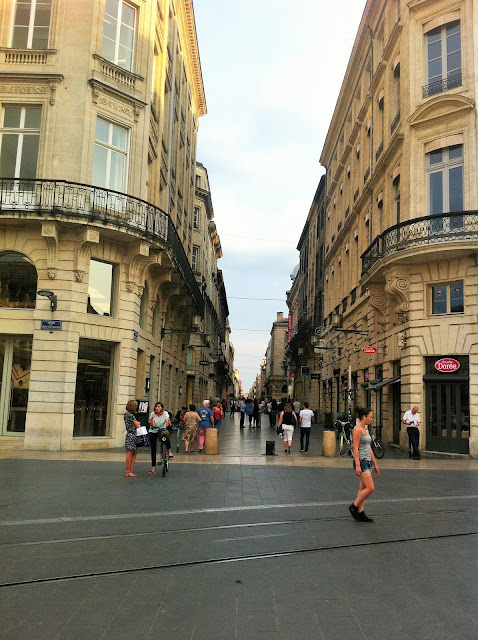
[(329, 444), (270, 448), (211, 444)]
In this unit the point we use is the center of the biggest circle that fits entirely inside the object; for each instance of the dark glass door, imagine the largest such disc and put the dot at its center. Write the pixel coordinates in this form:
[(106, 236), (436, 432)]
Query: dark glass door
[(448, 416)]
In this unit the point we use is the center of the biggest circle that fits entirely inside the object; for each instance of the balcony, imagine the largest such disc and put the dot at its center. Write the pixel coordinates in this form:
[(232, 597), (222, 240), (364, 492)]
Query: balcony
[(89, 204), (366, 175), (421, 232), (442, 85), (111, 71), (395, 122), (378, 153)]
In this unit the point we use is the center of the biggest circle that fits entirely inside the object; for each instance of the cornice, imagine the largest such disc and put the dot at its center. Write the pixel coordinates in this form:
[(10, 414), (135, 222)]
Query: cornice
[(195, 59), (378, 75), (440, 108), (31, 76), (392, 40)]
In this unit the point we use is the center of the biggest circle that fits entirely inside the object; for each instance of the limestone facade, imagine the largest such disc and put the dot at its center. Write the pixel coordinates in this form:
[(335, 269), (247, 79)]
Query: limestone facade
[(100, 108), (276, 380), (401, 229)]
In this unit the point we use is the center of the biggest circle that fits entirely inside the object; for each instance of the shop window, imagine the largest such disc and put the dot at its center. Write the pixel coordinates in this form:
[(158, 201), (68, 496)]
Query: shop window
[(118, 33), (100, 288), (31, 25), (447, 298), (18, 281), (20, 138), (93, 388), (110, 157)]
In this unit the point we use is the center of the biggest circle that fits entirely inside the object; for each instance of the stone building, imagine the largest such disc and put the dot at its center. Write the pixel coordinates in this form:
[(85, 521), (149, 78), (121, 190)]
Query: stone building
[(100, 104), (400, 265), (276, 380)]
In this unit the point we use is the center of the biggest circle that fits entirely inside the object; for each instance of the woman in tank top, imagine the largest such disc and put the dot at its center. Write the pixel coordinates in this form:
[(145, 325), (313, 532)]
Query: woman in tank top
[(287, 420), (364, 461)]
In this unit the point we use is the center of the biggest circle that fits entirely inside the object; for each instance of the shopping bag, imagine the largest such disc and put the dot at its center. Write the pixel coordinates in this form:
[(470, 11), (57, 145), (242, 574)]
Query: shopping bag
[(142, 438)]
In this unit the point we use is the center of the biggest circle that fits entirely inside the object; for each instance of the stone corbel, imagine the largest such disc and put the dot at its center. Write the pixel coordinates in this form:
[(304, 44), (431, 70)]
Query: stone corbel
[(83, 251), (49, 232), (377, 301), (139, 259), (397, 287)]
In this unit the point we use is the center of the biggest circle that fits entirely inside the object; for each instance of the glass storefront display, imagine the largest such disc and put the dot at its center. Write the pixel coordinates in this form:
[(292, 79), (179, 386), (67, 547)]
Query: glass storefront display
[(18, 281), (15, 360), (93, 388)]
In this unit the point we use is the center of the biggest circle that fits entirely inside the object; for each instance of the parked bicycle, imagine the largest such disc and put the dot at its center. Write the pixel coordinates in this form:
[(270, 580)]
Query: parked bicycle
[(344, 428), (378, 447)]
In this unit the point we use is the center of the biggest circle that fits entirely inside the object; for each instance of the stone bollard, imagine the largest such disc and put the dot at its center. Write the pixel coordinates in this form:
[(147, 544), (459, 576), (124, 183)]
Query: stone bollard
[(211, 444), (329, 444)]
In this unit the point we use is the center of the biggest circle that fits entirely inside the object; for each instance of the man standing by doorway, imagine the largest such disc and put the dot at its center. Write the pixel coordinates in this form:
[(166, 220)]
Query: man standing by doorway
[(412, 419)]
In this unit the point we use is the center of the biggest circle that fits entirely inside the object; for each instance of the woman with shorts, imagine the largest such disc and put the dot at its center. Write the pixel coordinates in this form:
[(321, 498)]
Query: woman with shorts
[(287, 420), (364, 461)]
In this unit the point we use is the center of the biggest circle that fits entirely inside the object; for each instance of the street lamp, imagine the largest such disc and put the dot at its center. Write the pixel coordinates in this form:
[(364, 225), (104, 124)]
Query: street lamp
[(51, 296)]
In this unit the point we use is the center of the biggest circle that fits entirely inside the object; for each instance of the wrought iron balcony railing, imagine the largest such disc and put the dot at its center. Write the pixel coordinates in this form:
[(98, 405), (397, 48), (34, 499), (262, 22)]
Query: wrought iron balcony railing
[(395, 122), (420, 232), (442, 85), (94, 204)]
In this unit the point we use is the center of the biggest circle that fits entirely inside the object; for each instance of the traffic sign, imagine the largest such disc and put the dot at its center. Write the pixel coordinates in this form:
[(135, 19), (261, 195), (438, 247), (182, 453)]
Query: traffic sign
[(369, 349)]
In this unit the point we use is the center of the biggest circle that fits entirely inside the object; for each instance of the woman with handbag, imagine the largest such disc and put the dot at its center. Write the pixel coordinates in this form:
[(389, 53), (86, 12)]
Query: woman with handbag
[(287, 420), (131, 424), (159, 421)]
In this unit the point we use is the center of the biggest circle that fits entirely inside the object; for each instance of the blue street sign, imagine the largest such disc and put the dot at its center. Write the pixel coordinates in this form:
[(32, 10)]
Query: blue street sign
[(51, 325)]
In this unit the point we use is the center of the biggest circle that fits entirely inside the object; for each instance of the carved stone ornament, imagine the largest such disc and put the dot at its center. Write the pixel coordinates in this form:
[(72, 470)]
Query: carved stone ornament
[(130, 287), (79, 275), (23, 90), (51, 274), (377, 301), (397, 287)]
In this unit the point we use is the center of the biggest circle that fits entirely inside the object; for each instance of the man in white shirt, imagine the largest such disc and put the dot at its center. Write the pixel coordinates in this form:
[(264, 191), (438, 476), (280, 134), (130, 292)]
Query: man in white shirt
[(412, 419), (306, 419)]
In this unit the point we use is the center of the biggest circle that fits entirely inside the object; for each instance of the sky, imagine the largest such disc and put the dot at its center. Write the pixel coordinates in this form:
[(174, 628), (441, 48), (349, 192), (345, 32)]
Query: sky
[(272, 72)]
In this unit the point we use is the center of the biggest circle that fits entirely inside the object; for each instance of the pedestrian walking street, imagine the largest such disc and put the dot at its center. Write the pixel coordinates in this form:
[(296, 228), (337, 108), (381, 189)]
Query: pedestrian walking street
[(238, 545)]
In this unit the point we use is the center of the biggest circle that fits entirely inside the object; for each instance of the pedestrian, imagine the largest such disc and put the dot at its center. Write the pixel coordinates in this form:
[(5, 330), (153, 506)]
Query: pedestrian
[(306, 419), (261, 411), (255, 412), (249, 411), (131, 424), (191, 420), (158, 421), (287, 421), (233, 408), (218, 415), (280, 409), (207, 421), (273, 414), (224, 405), (242, 409), (412, 419), (296, 405), (364, 461)]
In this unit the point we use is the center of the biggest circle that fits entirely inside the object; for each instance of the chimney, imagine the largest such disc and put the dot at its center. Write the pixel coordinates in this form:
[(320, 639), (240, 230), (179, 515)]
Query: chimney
[(280, 316)]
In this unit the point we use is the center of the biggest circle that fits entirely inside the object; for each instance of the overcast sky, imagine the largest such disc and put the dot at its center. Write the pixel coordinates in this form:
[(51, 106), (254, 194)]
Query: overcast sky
[(272, 72)]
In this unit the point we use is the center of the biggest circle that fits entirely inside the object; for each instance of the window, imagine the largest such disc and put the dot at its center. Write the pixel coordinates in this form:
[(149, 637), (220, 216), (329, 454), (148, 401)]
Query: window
[(144, 307), (18, 281), (445, 180), (196, 218), (110, 159), (31, 25), (118, 33), (195, 258), (20, 137), (447, 298), (93, 387), (100, 288), (443, 59), (396, 198)]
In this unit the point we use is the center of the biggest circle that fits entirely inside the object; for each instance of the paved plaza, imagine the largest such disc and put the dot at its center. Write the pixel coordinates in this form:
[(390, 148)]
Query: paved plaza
[(239, 545)]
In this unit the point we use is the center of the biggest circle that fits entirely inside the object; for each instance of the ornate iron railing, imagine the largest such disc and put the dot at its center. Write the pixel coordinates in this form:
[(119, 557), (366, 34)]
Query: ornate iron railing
[(94, 204), (419, 232), (395, 122), (442, 85), (378, 153), (366, 175)]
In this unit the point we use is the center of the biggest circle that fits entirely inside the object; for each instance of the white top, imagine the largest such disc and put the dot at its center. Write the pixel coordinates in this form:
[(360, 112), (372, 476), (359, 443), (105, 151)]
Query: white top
[(306, 416), (412, 418)]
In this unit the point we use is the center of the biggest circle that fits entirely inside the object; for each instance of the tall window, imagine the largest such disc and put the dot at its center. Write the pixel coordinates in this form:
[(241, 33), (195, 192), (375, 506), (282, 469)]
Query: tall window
[(100, 288), (396, 198), (118, 33), (20, 136), (445, 180), (196, 218), (110, 159), (31, 25), (444, 58), (195, 258)]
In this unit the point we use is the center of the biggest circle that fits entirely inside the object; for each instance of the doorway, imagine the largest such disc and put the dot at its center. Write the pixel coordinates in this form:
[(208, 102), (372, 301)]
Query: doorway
[(15, 362)]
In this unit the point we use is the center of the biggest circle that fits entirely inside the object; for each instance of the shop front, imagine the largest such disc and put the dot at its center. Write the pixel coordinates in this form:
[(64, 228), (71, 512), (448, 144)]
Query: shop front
[(447, 403)]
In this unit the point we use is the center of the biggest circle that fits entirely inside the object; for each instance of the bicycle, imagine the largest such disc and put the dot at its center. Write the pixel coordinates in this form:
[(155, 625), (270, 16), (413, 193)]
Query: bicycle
[(378, 447), (164, 453), (344, 429)]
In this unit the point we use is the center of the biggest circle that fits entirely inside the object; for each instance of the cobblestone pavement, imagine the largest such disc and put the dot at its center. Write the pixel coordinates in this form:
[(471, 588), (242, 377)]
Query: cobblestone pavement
[(246, 547)]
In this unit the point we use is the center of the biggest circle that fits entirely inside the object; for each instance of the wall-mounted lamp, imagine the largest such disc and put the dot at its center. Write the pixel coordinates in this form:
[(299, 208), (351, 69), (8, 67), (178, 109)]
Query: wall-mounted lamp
[(51, 296)]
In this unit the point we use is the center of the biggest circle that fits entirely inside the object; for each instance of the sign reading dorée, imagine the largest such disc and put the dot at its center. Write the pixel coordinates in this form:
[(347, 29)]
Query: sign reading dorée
[(51, 325), (447, 365), (369, 349)]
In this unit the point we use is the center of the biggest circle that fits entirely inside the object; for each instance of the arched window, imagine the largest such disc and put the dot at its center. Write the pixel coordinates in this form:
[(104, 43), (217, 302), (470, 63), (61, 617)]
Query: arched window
[(18, 281)]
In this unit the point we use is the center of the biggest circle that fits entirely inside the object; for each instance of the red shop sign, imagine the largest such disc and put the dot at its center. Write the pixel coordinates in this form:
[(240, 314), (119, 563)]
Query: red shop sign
[(369, 349), (447, 365)]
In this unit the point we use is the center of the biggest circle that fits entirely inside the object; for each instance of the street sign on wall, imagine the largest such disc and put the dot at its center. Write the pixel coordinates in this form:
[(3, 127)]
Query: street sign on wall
[(369, 349)]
